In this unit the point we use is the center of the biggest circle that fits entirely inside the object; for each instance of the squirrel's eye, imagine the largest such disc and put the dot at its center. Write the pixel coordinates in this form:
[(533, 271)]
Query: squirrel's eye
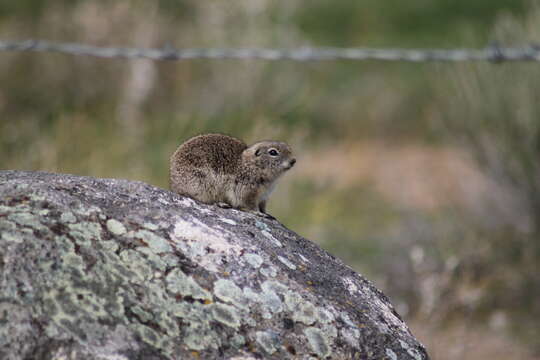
[(273, 152)]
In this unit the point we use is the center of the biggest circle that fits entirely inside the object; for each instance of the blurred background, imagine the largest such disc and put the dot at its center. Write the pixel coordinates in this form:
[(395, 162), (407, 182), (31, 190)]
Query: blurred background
[(423, 177)]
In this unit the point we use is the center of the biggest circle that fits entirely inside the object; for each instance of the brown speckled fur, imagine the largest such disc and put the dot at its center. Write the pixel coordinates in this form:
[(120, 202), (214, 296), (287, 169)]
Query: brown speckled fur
[(215, 168)]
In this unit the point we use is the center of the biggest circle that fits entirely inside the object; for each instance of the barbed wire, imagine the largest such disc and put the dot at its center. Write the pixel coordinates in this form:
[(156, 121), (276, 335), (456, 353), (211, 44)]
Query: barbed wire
[(493, 53)]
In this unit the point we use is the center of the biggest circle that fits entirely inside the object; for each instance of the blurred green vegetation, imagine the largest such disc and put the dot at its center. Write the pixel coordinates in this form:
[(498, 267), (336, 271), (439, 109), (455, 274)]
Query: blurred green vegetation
[(422, 176), (413, 23)]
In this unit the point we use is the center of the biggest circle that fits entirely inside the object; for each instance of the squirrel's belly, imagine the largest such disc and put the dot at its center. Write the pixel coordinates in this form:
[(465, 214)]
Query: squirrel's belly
[(266, 193)]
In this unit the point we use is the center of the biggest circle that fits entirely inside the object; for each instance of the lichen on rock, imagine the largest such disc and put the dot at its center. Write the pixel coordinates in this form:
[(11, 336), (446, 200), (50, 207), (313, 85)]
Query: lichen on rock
[(117, 269)]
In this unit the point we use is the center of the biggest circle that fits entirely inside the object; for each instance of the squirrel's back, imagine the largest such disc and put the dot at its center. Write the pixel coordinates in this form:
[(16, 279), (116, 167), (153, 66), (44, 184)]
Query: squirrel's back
[(220, 153)]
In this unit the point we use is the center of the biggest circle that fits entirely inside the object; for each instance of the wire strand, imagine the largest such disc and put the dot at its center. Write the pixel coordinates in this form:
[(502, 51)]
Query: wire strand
[(492, 53)]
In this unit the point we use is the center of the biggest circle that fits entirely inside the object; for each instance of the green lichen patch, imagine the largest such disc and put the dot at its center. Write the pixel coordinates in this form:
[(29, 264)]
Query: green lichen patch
[(84, 232), (68, 217), (226, 315), (170, 260), (149, 336), (317, 341), (116, 227), (238, 341), (109, 245), (73, 260), (157, 261), (261, 226), (330, 332), (195, 312), (324, 316), (154, 242), (228, 291), (166, 321), (251, 295), (150, 226), (254, 260), (11, 315), (85, 210), (268, 300), (272, 302), (21, 208), (134, 261), (6, 225), (269, 341), (142, 314), (269, 296), (268, 271), (5, 209), (179, 283), (200, 337), (27, 219), (11, 237), (275, 286), (302, 310)]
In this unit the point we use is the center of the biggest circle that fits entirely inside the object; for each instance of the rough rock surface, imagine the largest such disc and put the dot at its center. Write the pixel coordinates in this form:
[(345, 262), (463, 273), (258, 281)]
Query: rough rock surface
[(116, 269)]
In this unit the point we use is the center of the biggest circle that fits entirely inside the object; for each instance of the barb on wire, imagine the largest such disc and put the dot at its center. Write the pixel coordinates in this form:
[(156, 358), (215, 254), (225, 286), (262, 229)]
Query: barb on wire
[(491, 53)]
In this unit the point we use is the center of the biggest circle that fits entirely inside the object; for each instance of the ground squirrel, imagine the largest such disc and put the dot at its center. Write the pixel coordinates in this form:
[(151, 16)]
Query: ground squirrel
[(219, 169)]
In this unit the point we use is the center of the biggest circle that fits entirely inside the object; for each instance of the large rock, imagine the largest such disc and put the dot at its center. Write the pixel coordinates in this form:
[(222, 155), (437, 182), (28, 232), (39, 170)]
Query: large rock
[(116, 269)]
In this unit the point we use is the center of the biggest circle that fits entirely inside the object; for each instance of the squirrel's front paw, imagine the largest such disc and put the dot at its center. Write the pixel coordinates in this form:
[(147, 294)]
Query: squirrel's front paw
[(264, 215)]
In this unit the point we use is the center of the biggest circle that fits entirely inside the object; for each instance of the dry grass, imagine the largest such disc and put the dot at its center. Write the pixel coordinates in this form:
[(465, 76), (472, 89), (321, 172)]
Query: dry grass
[(408, 175), (466, 342)]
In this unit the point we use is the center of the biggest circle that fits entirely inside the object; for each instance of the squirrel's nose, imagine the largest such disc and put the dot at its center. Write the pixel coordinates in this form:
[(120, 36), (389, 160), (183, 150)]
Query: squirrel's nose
[(292, 161)]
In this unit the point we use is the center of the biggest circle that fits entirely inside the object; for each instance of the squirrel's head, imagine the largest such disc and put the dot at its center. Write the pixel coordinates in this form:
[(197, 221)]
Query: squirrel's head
[(274, 157)]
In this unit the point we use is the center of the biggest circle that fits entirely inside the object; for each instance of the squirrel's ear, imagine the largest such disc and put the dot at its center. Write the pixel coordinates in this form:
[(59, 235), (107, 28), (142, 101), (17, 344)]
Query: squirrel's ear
[(258, 152)]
